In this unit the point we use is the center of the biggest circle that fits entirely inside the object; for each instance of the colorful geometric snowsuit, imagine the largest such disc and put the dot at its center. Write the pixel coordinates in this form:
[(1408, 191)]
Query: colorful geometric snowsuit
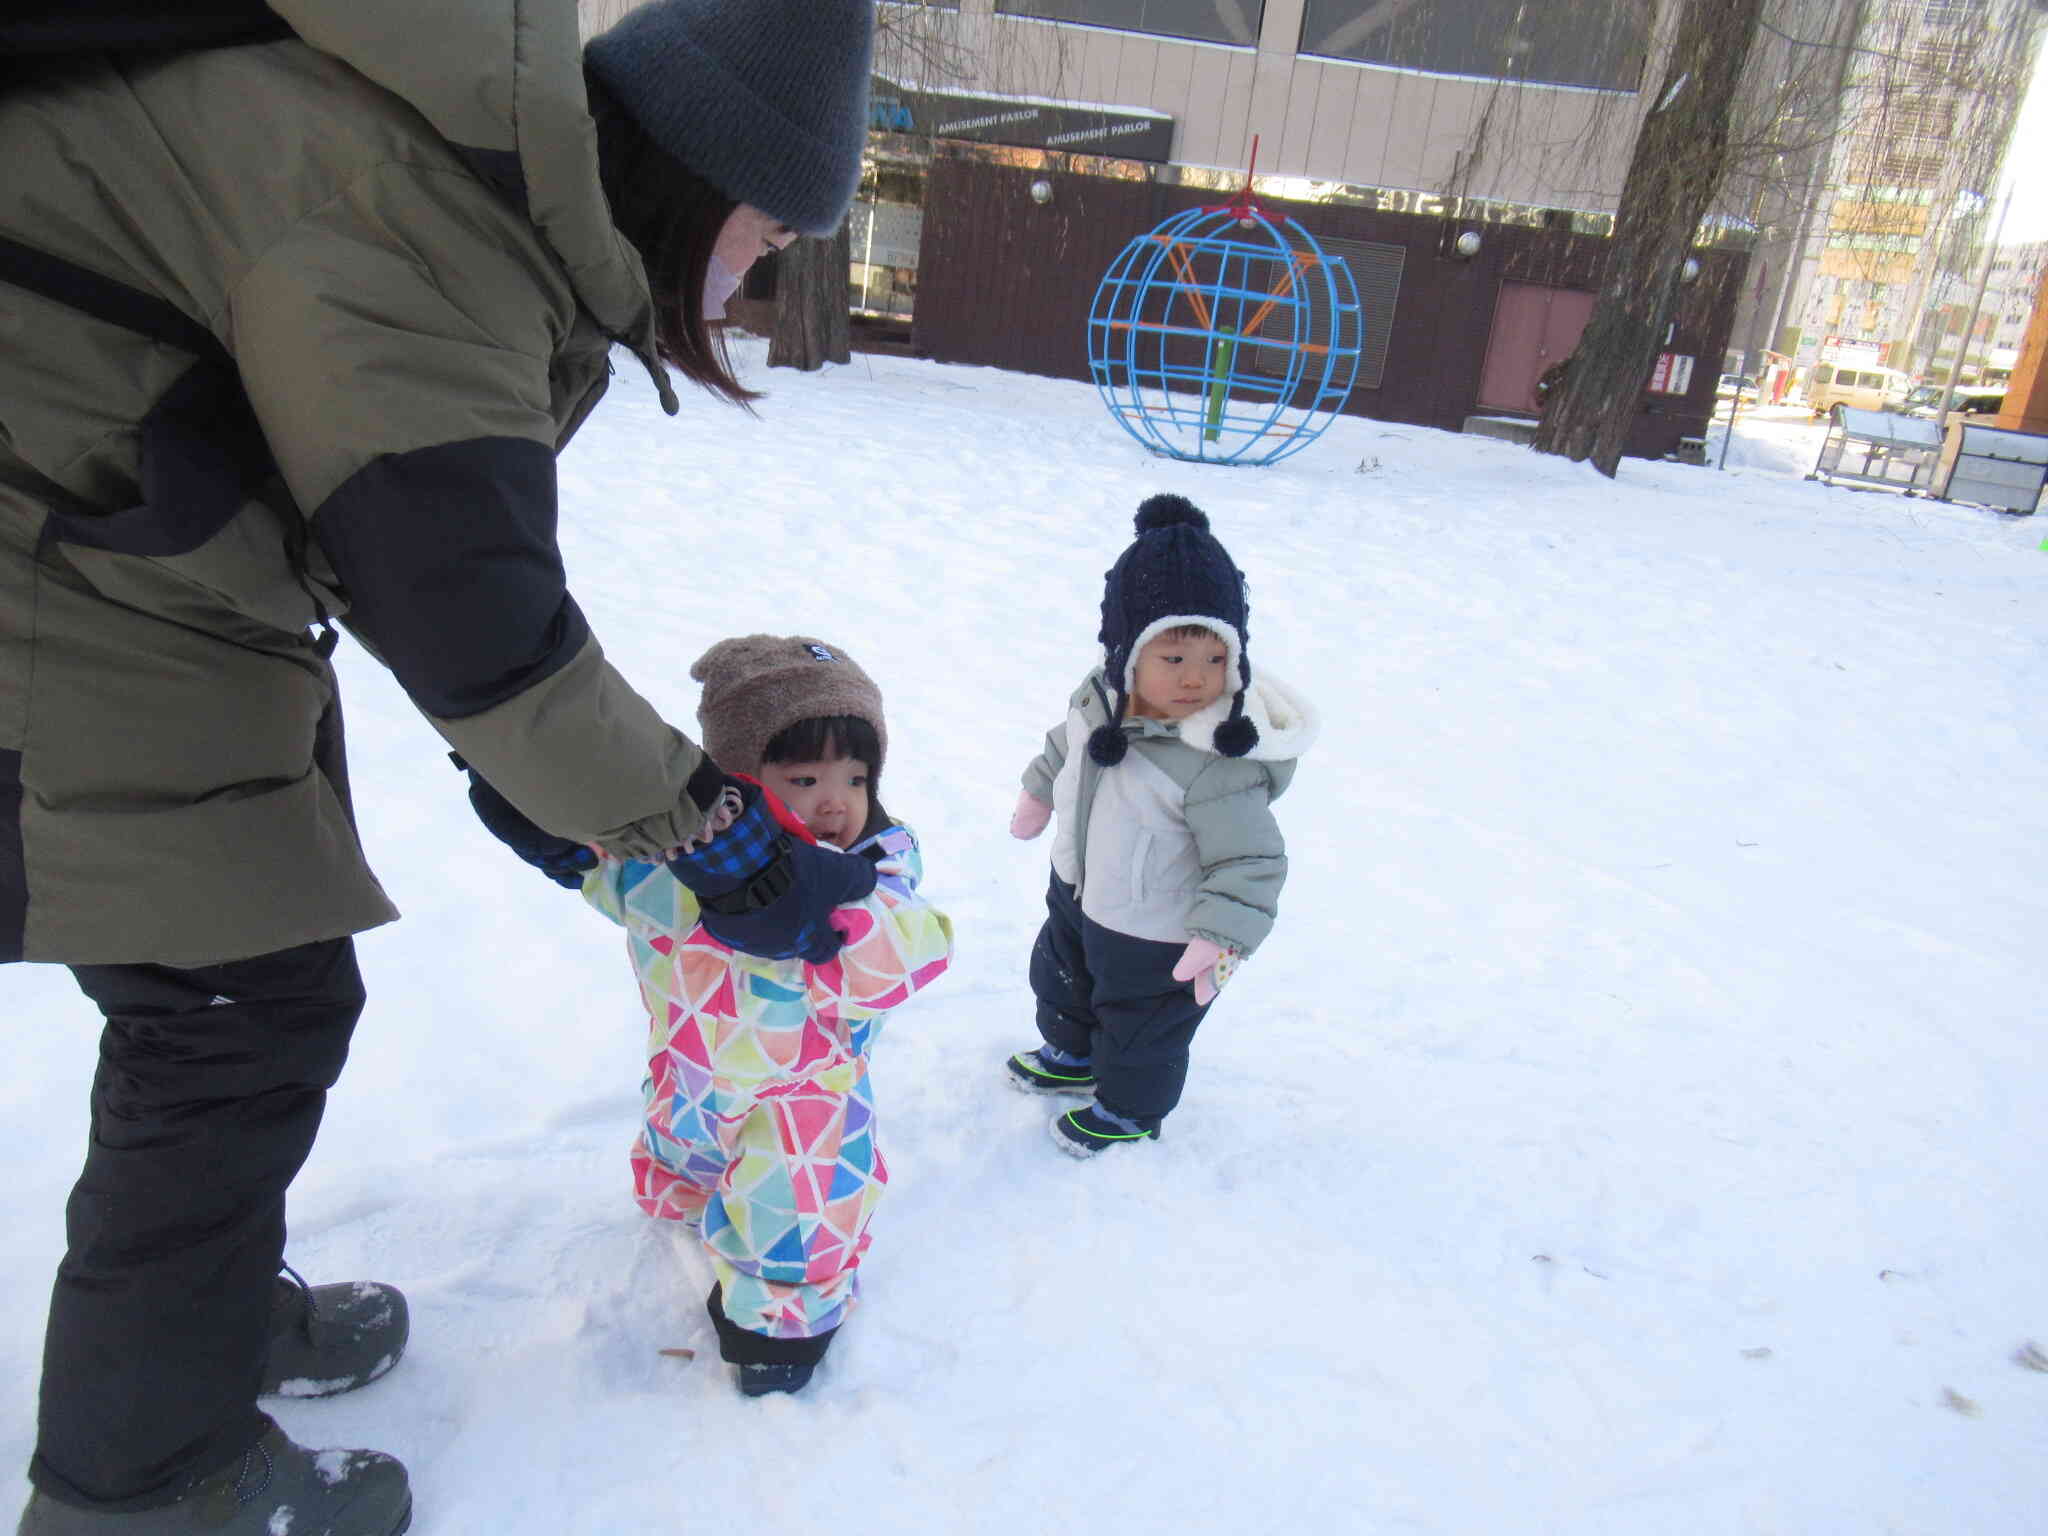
[(759, 1118)]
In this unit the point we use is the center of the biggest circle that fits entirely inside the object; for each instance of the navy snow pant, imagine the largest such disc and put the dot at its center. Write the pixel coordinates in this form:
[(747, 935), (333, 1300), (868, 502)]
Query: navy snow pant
[(1112, 998), (210, 1088)]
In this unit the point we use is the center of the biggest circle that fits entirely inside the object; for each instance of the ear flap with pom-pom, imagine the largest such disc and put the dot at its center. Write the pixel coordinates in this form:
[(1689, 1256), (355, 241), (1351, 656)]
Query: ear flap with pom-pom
[(1107, 745), (1236, 736)]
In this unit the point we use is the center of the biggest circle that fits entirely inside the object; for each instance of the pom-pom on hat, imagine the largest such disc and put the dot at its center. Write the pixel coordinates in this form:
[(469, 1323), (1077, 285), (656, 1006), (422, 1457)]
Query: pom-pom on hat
[(765, 99), (757, 686), (1175, 572)]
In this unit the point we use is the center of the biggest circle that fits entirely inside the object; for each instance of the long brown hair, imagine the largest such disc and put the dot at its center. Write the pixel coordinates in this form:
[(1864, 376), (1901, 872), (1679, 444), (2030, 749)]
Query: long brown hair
[(672, 216)]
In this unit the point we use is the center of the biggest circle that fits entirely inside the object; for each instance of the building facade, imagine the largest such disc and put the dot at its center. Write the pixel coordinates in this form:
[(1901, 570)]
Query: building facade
[(2016, 276), (1907, 206), (1391, 127)]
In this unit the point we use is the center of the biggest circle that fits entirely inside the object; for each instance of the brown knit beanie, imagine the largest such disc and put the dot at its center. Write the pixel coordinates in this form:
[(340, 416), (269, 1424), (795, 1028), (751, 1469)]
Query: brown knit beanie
[(756, 686)]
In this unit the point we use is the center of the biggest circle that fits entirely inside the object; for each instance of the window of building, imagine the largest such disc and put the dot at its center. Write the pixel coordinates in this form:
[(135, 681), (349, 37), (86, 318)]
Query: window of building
[(882, 244), (1896, 244), (1593, 43), (1907, 163), (1949, 13), (1931, 117), (1937, 61), (1213, 21)]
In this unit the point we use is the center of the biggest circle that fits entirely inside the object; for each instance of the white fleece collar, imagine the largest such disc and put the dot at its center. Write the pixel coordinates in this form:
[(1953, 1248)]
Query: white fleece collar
[(1288, 724)]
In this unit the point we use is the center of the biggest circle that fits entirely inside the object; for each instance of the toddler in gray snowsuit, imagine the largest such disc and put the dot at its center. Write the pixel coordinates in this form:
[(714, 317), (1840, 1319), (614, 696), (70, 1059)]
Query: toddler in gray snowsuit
[(1167, 863)]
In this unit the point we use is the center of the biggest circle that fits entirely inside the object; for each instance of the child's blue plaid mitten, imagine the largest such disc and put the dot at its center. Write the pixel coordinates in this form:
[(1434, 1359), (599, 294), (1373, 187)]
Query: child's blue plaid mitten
[(764, 892)]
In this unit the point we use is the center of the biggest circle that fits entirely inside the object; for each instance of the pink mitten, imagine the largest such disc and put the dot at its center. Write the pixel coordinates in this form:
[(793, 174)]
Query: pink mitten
[(1207, 965), (1030, 817)]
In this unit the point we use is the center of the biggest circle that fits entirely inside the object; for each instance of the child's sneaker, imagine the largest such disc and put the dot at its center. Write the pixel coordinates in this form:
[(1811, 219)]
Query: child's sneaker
[(759, 1380), (1086, 1131), (1040, 1071)]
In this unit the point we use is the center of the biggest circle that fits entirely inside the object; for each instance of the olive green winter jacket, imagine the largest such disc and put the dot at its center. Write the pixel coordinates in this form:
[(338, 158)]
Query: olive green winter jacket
[(393, 224)]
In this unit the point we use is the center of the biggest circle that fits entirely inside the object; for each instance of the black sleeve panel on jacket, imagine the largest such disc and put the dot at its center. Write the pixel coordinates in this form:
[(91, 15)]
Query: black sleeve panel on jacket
[(449, 560), (13, 867)]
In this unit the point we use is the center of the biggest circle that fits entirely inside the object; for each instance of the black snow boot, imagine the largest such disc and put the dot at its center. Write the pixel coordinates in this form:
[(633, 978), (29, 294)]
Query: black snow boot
[(327, 1339), (1091, 1129), (759, 1379), (1040, 1072), (272, 1487)]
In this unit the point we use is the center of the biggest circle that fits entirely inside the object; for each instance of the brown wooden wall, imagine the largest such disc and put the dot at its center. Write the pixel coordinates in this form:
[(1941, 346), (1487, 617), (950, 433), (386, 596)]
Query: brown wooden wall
[(1006, 282)]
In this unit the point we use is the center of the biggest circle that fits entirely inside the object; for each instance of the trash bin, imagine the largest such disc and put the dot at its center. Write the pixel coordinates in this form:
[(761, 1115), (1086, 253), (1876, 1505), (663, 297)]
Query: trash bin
[(1992, 467)]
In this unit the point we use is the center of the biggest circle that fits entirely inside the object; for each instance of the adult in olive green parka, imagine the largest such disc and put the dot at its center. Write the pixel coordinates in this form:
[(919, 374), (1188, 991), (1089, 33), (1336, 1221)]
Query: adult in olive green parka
[(299, 329)]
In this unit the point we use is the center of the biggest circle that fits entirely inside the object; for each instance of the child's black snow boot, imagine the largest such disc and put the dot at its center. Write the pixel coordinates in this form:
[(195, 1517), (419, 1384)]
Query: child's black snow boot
[(1043, 1071), (1091, 1129), (272, 1487), (760, 1379)]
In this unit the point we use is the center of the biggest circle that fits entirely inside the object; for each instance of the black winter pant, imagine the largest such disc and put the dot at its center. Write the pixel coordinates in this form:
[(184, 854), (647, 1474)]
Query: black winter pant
[(1113, 999), (210, 1088)]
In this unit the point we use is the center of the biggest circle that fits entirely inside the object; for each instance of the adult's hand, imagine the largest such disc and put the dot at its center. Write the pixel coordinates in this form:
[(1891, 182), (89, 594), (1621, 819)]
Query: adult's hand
[(561, 859)]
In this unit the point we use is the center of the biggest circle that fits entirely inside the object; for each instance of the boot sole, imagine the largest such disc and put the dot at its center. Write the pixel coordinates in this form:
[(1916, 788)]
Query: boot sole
[(1052, 1090), (307, 1388), (1072, 1148)]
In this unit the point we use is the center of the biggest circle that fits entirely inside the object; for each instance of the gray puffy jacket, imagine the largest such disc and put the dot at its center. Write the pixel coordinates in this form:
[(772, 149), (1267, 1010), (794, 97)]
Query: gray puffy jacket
[(1176, 841)]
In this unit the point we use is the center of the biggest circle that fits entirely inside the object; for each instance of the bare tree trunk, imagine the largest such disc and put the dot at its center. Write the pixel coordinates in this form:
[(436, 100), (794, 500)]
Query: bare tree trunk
[(811, 327), (1680, 152)]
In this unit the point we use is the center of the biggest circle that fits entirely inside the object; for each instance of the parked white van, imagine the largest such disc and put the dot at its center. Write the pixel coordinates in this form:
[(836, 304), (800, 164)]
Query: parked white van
[(1862, 387)]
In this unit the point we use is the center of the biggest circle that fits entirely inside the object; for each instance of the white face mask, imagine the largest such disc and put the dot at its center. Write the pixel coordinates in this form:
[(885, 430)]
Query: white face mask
[(720, 283)]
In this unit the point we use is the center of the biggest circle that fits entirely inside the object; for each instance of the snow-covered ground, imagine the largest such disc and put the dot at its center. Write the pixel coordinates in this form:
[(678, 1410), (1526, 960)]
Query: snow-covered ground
[(1635, 1124)]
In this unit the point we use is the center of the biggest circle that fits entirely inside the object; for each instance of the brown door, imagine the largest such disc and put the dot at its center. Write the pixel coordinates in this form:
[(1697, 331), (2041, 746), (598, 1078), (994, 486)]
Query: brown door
[(1533, 327)]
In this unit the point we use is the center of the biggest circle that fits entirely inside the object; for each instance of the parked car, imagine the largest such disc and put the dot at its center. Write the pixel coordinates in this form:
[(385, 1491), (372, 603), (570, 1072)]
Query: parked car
[(1736, 386), (1924, 400), (1865, 388)]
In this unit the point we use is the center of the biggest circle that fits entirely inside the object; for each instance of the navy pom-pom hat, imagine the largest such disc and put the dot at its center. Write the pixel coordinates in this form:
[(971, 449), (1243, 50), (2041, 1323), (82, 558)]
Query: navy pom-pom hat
[(1175, 572)]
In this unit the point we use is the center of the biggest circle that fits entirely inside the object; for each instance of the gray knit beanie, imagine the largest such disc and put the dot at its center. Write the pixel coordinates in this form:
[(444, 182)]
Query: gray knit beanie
[(765, 99), (759, 685)]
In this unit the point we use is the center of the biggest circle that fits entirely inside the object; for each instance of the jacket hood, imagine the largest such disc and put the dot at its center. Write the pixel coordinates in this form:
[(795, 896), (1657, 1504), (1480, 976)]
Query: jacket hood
[(502, 82), (1288, 724)]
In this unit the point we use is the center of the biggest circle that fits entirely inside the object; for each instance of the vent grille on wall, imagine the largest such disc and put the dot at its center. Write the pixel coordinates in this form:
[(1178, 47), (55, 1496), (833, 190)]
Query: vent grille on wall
[(1376, 268)]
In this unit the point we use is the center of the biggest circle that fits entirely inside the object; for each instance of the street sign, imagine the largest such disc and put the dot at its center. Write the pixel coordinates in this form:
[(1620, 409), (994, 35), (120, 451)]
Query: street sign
[(1672, 374), (1837, 349)]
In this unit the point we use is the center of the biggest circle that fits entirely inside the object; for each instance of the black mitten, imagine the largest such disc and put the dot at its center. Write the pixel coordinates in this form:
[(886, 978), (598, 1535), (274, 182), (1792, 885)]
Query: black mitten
[(763, 891), (560, 859)]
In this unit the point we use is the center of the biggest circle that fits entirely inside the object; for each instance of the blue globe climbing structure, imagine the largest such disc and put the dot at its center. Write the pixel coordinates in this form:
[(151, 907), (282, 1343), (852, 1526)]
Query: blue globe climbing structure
[(1225, 335)]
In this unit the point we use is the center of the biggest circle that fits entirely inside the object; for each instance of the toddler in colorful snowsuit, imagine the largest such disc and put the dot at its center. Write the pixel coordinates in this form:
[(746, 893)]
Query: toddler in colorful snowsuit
[(759, 1127), (1167, 864)]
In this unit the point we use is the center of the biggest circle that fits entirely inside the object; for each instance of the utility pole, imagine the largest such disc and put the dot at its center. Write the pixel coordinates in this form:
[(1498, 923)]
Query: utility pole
[(1976, 304)]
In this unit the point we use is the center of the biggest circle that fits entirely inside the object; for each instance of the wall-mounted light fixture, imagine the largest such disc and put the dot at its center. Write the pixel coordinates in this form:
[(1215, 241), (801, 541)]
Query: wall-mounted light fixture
[(1041, 192), (1689, 271), (1467, 244)]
